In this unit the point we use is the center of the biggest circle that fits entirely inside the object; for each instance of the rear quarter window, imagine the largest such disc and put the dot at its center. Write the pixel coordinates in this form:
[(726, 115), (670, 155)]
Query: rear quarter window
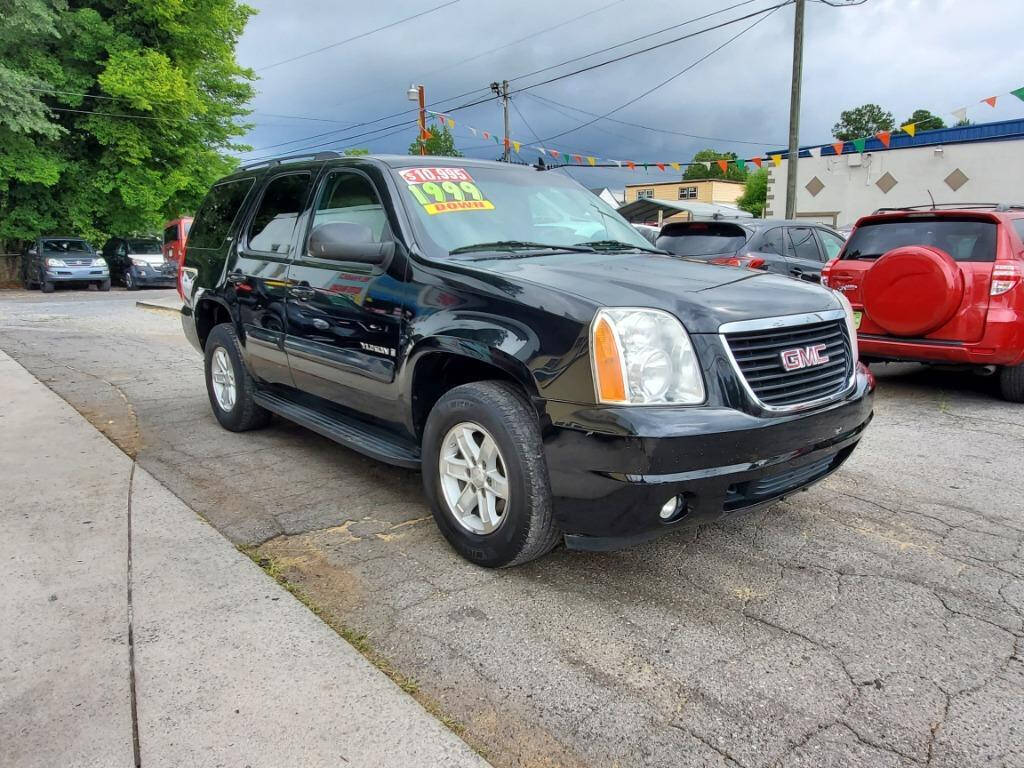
[(217, 213), (701, 238), (964, 239)]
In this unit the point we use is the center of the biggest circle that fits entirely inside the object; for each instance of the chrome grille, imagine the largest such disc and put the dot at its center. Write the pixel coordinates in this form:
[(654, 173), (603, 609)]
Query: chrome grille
[(78, 262), (758, 356)]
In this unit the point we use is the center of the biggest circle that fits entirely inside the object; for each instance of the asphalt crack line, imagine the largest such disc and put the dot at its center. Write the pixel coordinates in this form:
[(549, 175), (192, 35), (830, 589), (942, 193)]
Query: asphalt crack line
[(131, 633)]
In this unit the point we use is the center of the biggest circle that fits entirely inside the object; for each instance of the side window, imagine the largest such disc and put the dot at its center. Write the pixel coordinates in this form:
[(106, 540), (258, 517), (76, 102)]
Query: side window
[(217, 214), (1018, 224), (350, 198), (170, 234), (273, 224), (832, 244), (771, 242), (801, 239)]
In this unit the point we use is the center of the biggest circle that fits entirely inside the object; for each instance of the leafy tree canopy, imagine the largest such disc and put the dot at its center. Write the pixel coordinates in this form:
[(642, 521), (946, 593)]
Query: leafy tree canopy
[(862, 121), (698, 171), (441, 142), (115, 116), (925, 120), (755, 193)]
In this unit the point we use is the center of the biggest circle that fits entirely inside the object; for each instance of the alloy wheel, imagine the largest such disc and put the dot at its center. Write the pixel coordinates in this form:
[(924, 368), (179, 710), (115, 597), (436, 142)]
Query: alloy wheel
[(474, 478), (223, 375)]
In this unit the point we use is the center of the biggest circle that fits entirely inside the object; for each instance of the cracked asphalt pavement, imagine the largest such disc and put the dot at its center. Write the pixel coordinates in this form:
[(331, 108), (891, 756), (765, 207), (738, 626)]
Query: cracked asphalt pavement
[(875, 620)]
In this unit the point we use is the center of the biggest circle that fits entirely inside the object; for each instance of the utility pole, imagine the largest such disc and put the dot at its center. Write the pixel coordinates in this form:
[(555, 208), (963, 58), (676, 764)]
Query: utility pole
[(502, 91), (794, 109)]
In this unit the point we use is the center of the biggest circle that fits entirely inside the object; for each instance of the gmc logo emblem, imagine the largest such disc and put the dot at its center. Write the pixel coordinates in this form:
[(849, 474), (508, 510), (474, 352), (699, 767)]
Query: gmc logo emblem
[(803, 357)]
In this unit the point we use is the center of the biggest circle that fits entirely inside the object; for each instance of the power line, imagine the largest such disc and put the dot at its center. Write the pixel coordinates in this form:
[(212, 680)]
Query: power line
[(359, 36), (678, 74)]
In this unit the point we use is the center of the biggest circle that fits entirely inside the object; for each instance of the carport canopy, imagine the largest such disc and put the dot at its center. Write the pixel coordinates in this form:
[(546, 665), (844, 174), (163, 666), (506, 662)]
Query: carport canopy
[(648, 209)]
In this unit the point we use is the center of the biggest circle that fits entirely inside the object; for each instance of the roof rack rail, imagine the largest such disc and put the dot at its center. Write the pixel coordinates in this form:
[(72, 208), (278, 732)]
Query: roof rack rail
[(328, 155), (941, 206)]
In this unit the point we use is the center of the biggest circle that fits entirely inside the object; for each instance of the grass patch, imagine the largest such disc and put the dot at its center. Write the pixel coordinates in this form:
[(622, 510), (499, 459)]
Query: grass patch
[(361, 643)]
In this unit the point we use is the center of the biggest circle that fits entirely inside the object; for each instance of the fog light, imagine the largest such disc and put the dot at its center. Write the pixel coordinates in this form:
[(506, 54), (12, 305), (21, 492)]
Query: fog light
[(671, 508)]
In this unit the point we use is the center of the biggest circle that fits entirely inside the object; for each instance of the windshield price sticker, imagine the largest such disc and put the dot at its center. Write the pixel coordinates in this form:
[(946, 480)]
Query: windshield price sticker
[(444, 190)]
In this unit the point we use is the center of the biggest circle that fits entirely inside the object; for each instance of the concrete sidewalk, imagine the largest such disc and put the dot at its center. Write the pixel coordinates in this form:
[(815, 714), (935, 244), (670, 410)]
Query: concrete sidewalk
[(112, 583)]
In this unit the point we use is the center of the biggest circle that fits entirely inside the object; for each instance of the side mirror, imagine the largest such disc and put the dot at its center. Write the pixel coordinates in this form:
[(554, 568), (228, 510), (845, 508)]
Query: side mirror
[(348, 241)]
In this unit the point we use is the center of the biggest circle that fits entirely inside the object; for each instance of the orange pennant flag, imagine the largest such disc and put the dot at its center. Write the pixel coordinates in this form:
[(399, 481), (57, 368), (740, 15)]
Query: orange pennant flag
[(910, 128), (838, 147), (777, 160), (661, 166), (578, 159), (505, 142), (756, 161), (487, 135), (631, 165), (884, 136), (724, 165), (991, 101), (427, 134), (554, 153)]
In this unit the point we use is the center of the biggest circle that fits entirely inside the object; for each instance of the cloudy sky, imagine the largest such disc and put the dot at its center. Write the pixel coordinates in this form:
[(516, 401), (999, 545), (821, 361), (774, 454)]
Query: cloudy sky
[(902, 54)]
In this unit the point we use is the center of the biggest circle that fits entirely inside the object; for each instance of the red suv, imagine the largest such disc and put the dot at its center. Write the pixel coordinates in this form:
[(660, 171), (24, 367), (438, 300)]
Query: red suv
[(939, 286)]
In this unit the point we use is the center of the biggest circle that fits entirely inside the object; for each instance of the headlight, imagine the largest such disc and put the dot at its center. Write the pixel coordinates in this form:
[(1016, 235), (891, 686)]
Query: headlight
[(851, 326), (98, 262), (55, 263), (140, 262), (643, 357)]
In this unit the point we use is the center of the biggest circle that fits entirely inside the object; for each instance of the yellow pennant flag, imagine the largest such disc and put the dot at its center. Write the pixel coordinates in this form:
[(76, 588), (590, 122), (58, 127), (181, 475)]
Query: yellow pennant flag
[(909, 128), (675, 166), (517, 145), (592, 160), (451, 123), (777, 160)]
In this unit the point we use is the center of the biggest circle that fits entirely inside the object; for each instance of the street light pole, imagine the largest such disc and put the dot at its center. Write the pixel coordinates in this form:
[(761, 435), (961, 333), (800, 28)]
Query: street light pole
[(502, 91), (416, 93), (794, 109)]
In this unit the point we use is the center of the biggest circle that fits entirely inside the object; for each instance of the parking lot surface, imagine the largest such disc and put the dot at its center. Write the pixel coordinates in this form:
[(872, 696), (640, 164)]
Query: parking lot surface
[(874, 620)]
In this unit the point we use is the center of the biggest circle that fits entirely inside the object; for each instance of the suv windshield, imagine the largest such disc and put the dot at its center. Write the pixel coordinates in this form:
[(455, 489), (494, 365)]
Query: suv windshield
[(506, 208), (964, 239), (699, 238), (143, 247), (65, 245)]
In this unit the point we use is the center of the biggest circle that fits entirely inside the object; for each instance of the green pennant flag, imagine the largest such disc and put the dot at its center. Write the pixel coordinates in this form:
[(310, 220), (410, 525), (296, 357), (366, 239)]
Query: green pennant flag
[(858, 144), (1019, 93), (741, 163)]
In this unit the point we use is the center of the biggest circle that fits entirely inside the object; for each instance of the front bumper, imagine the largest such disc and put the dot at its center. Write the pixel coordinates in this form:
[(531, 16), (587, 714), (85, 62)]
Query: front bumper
[(613, 468), (150, 277), (77, 274)]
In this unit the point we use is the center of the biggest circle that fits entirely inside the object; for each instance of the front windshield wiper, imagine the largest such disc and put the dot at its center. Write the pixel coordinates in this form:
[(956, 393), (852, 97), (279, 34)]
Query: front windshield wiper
[(618, 245), (519, 245)]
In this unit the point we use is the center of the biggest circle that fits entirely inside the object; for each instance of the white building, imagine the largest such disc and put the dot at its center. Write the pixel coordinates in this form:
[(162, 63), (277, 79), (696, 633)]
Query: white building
[(973, 164)]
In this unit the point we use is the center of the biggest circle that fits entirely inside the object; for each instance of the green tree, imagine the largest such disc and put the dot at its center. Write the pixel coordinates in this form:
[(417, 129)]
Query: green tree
[(862, 121), (115, 116), (925, 120), (697, 170), (755, 193), (441, 142), (356, 152)]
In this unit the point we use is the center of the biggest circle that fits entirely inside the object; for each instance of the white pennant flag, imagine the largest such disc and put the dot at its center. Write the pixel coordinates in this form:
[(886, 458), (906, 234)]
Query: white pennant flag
[(541, 150), (960, 114), (706, 164), (472, 129), (814, 151)]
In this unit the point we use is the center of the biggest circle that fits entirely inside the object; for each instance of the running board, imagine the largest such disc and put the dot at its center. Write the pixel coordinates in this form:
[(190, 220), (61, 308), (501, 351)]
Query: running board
[(352, 433)]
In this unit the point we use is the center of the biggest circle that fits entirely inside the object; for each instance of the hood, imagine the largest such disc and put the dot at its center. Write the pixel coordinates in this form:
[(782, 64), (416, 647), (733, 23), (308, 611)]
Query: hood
[(153, 259), (701, 295)]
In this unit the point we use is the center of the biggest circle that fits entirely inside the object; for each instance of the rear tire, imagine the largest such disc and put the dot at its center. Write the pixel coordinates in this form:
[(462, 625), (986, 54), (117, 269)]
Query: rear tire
[(501, 413), (231, 388), (1011, 383), (103, 286), (129, 281)]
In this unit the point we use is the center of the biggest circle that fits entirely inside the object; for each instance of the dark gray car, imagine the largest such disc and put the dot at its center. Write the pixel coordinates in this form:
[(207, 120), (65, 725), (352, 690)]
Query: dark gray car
[(794, 248), (57, 259)]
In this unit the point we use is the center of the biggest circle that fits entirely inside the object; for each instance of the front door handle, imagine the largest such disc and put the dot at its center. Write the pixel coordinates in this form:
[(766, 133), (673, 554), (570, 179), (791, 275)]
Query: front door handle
[(236, 278), (301, 292)]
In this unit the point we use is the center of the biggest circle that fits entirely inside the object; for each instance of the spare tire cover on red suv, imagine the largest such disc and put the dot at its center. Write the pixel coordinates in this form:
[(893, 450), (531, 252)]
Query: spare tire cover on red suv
[(913, 290)]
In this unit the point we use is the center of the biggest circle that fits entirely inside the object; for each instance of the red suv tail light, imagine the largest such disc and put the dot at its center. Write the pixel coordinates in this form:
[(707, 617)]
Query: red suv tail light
[(743, 260), (826, 271), (1004, 277)]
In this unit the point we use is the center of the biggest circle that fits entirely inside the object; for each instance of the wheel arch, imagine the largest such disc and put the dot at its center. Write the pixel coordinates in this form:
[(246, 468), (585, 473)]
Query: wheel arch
[(209, 312)]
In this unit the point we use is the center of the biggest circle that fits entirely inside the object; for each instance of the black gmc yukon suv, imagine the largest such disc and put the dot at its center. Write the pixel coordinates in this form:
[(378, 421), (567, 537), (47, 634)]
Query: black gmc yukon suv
[(504, 331)]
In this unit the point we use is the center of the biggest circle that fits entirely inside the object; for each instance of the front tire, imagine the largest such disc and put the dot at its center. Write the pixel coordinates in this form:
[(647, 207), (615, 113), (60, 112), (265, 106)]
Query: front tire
[(485, 476), (231, 388), (103, 285), (129, 281), (47, 286), (1011, 383)]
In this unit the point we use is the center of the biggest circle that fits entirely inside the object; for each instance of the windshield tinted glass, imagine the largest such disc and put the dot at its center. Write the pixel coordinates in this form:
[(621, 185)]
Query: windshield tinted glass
[(963, 239), (456, 207), (63, 246), (700, 238), (144, 247)]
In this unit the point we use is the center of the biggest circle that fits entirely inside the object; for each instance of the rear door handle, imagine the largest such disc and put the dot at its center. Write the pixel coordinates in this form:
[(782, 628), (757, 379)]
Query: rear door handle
[(236, 278)]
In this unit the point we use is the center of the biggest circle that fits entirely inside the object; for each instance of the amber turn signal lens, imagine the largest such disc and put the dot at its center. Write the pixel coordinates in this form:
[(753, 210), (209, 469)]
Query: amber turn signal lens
[(607, 364)]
